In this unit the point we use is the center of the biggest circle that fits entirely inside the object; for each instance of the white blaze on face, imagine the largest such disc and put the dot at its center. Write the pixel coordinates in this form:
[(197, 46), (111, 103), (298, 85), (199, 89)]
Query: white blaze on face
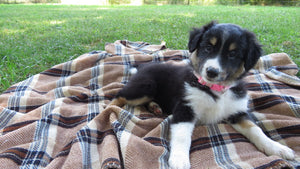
[(214, 63)]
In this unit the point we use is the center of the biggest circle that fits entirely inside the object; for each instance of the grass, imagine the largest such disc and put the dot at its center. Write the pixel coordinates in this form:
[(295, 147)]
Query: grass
[(33, 38)]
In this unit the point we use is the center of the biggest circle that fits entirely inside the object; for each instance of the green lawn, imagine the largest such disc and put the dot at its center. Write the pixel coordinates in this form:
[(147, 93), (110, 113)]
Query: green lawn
[(36, 37)]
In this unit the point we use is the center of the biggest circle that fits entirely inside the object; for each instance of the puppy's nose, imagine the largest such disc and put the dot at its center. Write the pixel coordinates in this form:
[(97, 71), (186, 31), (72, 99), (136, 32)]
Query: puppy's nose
[(212, 72)]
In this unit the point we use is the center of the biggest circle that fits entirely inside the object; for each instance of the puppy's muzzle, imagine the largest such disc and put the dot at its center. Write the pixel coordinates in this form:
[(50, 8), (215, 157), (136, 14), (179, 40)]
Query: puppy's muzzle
[(212, 72)]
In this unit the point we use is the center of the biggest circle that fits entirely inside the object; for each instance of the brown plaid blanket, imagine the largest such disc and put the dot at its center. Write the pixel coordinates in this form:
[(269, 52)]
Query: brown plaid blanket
[(59, 118)]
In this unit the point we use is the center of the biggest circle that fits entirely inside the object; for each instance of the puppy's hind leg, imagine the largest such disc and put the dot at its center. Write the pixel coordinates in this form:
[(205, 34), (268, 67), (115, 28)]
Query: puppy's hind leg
[(255, 134), (136, 92), (119, 101)]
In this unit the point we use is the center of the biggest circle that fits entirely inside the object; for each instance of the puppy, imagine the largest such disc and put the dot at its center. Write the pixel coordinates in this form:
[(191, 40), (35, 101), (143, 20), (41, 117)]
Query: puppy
[(209, 90)]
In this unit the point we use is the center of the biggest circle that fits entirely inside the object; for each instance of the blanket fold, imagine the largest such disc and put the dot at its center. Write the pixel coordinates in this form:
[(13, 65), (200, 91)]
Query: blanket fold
[(59, 118)]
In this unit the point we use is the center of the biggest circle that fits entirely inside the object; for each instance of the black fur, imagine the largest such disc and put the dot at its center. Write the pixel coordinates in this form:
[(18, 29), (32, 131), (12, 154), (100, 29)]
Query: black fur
[(196, 36), (239, 90), (236, 118), (253, 50), (161, 83)]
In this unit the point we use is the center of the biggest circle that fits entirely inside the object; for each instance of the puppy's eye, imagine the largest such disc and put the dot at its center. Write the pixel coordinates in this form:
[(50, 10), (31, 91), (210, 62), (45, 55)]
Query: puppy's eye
[(232, 54), (208, 49)]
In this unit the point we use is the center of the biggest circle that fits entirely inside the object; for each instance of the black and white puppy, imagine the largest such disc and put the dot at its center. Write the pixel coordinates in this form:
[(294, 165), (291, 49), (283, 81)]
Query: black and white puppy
[(209, 90)]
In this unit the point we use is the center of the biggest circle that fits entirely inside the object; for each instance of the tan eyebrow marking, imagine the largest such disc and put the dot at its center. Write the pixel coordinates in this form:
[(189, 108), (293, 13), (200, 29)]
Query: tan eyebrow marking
[(232, 46), (213, 41)]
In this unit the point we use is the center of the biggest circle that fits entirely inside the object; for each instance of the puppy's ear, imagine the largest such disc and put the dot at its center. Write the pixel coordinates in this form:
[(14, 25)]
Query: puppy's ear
[(253, 51), (196, 35)]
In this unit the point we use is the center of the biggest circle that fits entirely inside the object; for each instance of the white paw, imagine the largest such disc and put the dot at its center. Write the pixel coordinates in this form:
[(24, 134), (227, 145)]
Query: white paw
[(179, 161), (275, 148)]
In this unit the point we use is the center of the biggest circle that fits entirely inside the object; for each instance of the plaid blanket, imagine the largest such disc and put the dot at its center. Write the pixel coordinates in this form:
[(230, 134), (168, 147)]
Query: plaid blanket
[(59, 118)]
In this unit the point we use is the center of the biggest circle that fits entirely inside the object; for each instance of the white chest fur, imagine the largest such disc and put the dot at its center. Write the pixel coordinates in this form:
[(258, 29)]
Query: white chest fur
[(207, 110)]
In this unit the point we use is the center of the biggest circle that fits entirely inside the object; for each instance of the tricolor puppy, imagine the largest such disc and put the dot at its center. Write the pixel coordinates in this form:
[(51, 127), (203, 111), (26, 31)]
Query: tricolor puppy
[(208, 91)]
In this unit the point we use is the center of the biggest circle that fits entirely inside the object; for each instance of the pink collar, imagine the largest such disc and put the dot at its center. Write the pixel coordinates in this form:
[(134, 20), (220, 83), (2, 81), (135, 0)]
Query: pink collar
[(214, 87)]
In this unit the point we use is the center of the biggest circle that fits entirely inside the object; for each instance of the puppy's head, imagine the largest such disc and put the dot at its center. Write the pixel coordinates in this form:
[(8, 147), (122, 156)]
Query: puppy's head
[(223, 53)]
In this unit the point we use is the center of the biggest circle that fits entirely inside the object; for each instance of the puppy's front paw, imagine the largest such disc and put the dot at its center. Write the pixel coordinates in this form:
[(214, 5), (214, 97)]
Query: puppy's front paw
[(154, 108), (179, 161), (275, 148)]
